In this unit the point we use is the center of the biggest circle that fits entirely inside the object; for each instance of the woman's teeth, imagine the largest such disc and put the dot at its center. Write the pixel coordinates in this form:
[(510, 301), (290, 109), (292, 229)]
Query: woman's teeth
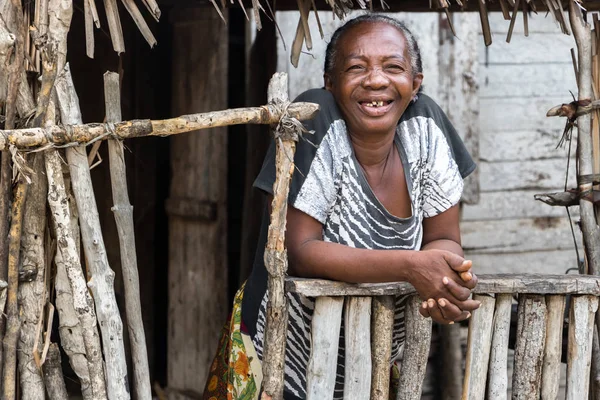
[(374, 104)]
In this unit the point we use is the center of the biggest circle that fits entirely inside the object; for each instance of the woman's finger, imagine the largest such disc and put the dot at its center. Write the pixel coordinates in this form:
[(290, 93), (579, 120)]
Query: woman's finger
[(459, 292), (449, 310), (436, 313), (424, 310), (464, 315), (468, 305)]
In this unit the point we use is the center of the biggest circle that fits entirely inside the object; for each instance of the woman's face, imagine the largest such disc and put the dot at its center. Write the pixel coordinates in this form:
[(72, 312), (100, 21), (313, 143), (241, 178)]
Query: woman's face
[(372, 80)]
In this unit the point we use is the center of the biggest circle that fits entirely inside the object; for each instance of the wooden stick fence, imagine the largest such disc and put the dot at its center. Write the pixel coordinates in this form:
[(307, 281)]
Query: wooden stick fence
[(541, 301)]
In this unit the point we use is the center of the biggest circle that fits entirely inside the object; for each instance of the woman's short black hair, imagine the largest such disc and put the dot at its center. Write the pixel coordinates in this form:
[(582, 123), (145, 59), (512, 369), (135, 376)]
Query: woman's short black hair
[(413, 47)]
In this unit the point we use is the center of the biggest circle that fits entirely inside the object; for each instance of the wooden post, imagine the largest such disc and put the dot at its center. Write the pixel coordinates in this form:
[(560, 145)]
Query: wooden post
[(382, 327), (325, 334), (275, 254), (581, 322), (53, 376), (479, 344), (32, 291), (198, 272), (102, 277), (416, 351), (497, 387), (124, 219), (555, 305), (589, 225), (529, 348), (357, 332), (9, 384)]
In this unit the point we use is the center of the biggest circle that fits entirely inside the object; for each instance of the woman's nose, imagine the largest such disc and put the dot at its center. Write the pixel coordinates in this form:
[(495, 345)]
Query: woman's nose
[(376, 79)]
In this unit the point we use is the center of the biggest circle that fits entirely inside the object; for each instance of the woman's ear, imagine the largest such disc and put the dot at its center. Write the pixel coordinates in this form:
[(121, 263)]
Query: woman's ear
[(417, 81), (328, 82)]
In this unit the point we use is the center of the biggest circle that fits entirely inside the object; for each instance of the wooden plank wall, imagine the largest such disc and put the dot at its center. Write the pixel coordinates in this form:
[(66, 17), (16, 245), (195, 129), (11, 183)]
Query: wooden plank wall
[(507, 231)]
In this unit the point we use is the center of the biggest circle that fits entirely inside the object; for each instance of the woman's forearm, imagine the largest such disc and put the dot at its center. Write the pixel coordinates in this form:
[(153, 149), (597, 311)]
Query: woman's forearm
[(319, 259), (444, 244)]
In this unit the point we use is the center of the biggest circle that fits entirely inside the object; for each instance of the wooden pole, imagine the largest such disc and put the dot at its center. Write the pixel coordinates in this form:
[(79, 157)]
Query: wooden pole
[(32, 293), (59, 135), (553, 349), (275, 255), (102, 277), (357, 335), (529, 348), (581, 321), (53, 376), (124, 218), (497, 387), (589, 226), (382, 327), (479, 344), (325, 334), (416, 351), (13, 324)]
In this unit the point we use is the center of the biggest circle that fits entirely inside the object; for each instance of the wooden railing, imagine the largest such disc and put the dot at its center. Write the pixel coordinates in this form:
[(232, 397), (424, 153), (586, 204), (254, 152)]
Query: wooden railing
[(368, 315)]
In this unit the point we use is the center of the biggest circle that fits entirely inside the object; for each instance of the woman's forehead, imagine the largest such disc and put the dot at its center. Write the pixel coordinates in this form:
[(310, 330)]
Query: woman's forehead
[(373, 38)]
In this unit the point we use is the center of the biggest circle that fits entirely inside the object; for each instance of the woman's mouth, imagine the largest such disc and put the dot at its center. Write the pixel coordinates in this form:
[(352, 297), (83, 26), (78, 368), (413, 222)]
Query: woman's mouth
[(376, 107)]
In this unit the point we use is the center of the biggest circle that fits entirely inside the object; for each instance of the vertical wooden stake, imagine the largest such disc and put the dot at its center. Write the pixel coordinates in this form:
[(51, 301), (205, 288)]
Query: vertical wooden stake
[(382, 326), (479, 343), (53, 376), (529, 349), (322, 365), (357, 332), (102, 276), (498, 371), (9, 384), (581, 322), (416, 351), (124, 218), (276, 257), (553, 349)]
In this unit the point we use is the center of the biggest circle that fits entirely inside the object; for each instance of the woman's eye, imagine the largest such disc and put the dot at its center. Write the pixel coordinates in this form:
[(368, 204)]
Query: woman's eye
[(355, 68), (394, 68)]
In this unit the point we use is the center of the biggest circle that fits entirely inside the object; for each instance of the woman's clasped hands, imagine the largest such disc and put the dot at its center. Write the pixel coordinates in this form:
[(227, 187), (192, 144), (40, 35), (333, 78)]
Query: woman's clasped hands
[(444, 281)]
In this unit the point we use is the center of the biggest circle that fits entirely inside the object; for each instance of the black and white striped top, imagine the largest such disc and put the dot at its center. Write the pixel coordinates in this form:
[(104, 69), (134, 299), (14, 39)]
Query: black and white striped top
[(332, 188)]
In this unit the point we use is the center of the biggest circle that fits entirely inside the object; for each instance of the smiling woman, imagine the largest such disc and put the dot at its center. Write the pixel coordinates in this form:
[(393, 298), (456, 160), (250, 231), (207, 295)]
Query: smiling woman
[(374, 199)]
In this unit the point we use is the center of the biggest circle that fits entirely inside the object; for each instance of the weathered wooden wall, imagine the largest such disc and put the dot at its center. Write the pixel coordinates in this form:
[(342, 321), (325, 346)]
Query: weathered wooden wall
[(198, 300), (507, 231)]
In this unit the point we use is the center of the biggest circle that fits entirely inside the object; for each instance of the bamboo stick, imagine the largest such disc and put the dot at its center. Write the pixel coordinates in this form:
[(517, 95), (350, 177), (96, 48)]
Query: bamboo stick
[(32, 293), (153, 8), (553, 349), (581, 322), (12, 310), (417, 342), (276, 256), (124, 219), (452, 359), (478, 348), (59, 135), (382, 326), (102, 277), (53, 376)]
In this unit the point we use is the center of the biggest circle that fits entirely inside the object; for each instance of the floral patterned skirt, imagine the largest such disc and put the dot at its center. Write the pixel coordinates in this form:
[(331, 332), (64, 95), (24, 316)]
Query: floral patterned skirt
[(236, 372)]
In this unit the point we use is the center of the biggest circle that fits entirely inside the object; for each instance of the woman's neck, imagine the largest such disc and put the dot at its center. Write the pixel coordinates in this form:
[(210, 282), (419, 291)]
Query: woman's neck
[(372, 151)]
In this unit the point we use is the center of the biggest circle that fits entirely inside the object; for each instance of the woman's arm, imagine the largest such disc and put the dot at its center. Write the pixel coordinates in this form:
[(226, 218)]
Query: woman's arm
[(310, 256), (442, 233)]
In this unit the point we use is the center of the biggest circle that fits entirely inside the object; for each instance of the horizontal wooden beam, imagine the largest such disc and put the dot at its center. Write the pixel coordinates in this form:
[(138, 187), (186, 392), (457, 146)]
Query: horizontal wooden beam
[(69, 135), (488, 284)]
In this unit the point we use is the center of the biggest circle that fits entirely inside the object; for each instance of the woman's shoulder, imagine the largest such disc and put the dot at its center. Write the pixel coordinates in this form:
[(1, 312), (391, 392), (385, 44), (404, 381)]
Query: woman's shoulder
[(424, 106), (328, 109)]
